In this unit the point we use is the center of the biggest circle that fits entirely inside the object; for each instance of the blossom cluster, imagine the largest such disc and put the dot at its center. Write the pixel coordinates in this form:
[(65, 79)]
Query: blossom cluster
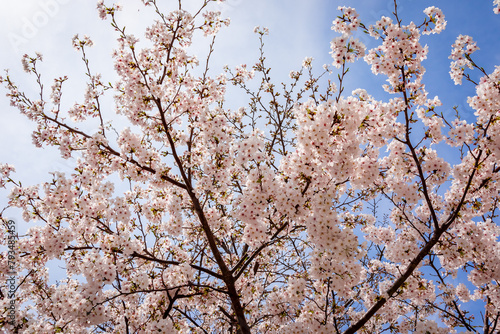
[(242, 74), (29, 62), (213, 23), (436, 16), (348, 22), (78, 43), (400, 48), (463, 47), (461, 133), (5, 170), (346, 50), (261, 30), (55, 96), (103, 11)]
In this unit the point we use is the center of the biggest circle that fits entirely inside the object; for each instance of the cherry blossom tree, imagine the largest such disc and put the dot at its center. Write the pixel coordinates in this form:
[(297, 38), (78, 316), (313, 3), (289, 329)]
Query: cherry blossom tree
[(270, 218)]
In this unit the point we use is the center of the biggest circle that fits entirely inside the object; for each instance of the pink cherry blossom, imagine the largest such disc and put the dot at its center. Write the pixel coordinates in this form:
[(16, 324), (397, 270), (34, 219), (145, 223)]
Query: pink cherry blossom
[(309, 209)]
